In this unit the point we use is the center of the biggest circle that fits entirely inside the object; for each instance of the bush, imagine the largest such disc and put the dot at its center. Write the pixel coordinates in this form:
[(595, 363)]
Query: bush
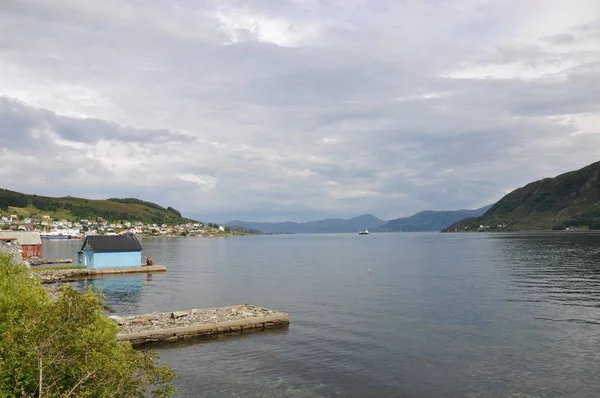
[(67, 347)]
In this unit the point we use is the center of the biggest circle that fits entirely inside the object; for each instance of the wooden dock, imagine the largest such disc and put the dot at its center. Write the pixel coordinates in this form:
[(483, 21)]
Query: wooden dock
[(183, 325), (62, 275)]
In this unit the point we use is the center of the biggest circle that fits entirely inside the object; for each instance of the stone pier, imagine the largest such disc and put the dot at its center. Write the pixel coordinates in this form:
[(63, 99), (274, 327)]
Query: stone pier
[(62, 275), (181, 325)]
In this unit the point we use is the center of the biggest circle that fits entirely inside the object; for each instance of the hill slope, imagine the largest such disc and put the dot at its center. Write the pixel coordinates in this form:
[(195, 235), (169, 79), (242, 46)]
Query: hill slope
[(570, 199), (71, 208), (331, 225), (429, 220)]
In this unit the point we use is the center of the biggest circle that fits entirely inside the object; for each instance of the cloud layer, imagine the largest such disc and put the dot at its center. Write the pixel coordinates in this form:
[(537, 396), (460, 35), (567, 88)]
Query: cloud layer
[(297, 109)]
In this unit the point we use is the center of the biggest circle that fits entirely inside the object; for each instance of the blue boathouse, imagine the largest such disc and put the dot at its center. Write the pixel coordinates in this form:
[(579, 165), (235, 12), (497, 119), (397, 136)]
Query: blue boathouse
[(111, 251)]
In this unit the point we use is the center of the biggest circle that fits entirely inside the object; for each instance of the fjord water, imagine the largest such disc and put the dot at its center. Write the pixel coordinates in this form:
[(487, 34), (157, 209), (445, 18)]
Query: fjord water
[(438, 315)]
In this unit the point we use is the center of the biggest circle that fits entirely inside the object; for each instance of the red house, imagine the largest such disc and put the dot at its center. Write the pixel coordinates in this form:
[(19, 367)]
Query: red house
[(30, 242)]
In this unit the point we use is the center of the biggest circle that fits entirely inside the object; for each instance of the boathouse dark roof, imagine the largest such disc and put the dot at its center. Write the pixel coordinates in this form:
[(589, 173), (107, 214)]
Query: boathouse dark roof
[(116, 243)]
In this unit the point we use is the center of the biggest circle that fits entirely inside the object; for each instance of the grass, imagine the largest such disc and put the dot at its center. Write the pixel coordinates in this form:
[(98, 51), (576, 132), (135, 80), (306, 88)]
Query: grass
[(58, 215), (58, 267)]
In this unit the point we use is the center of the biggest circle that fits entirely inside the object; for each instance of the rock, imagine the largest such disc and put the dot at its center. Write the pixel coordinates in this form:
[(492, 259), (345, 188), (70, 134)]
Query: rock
[(142, 319), (14, 251), (108, 308), (178, 314), (117, 319)]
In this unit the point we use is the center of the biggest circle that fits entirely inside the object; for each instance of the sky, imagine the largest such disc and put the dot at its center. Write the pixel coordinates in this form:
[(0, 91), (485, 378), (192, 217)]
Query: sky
[(296, 109)]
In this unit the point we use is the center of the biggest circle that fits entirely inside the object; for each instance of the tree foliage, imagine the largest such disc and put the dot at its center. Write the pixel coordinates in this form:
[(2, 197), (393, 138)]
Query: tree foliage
[(590, 218), (134, 201), (67, 347), (176, 212)]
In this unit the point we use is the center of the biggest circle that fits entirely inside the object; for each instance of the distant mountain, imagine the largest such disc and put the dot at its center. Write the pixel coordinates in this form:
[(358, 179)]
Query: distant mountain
[(331, 225), (429, 220), (568, 200)]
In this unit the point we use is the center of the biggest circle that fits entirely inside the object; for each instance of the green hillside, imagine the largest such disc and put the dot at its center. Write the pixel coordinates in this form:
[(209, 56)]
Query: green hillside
[(72, 209), (568, 200)]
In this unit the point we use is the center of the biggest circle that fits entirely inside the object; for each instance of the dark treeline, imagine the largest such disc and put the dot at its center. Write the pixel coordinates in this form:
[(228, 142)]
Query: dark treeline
[(15, 199), (133, 201)]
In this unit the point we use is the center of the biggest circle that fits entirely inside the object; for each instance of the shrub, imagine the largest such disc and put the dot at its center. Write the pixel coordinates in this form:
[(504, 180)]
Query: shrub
[(67, 347)]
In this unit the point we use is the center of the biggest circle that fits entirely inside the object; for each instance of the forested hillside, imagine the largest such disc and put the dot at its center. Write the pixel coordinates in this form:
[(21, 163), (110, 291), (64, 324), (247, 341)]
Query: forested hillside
[(71, 208)]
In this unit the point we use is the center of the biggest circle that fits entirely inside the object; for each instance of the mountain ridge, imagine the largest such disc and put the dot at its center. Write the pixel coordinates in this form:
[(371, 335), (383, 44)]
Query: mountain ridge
[(430, 220), (329, 225), (424, 221)]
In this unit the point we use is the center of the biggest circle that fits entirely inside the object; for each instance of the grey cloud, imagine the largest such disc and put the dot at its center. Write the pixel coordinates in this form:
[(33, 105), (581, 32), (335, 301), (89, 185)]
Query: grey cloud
[(560, 38), (362, 106), (20, 122), (587, 27)]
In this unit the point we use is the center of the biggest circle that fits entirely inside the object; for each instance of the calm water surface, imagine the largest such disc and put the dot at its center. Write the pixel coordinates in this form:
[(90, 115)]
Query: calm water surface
[(439, 315)]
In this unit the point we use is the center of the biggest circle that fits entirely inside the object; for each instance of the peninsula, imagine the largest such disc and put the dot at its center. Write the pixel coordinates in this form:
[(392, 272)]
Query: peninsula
[(570, 201), (75, 217)]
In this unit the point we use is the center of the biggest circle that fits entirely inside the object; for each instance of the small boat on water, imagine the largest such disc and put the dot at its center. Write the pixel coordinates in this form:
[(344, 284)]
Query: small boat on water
[(363, 232)]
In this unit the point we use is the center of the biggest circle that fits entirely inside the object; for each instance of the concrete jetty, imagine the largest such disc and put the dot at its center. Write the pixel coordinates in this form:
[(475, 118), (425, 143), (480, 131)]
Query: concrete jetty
[(182, 325), (43, 261), (62, 275)]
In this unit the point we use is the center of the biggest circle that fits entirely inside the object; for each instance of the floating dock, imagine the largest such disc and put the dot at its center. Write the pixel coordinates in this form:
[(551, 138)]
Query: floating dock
[(183, 325), (62, 275)]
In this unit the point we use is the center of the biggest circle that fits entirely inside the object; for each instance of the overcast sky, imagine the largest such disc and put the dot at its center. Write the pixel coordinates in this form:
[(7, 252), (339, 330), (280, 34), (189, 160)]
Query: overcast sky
[(296, 109)]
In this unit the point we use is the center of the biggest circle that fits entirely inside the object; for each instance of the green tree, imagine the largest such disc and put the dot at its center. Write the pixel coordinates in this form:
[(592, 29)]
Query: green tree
[(67, 347)]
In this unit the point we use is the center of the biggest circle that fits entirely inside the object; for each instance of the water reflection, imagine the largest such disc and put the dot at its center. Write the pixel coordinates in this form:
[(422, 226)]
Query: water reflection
[(122, 291), (562, 269), (241, 335)]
